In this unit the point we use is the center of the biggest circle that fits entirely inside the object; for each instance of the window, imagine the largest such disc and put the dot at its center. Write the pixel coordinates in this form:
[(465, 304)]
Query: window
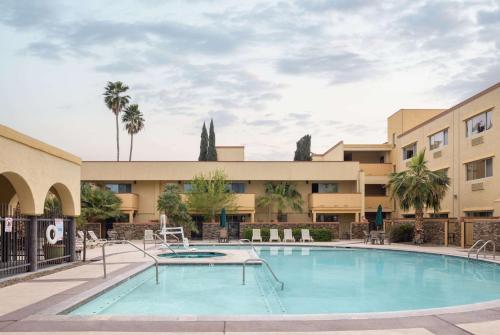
[(237, 187), (479, 214), (408, 216), (438, 139), (327, 218), (325, 188), (187, 187), (409, 151), (478, 123), (119, 188), (439, 215), (479, 169)]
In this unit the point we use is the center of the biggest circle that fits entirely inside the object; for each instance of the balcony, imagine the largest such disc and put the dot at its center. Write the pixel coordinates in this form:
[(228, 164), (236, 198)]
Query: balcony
[(372, 202), (130, 201), (244, 202), (335, 202), (376, 169)]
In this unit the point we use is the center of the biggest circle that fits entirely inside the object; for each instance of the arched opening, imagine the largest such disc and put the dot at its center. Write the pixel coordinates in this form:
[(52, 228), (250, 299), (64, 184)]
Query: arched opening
[(59, 200), (16, 197)]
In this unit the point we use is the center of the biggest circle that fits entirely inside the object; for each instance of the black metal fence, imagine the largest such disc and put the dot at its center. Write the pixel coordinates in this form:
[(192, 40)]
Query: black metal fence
[(13, 246), (50, 254)]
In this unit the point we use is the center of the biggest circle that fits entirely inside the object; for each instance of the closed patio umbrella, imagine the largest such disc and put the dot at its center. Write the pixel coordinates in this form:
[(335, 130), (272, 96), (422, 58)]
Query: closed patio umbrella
[(223, 219), (379, 220)]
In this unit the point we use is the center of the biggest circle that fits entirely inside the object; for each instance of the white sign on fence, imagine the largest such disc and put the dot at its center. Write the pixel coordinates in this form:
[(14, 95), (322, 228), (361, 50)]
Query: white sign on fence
[(59, 229), (8, 225)]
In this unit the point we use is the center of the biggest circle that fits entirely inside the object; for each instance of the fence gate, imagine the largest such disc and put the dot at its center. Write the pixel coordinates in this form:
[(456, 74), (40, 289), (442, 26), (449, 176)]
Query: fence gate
[(469, 236), (345, 230), (233, 230), (13, 246), (51, 254)]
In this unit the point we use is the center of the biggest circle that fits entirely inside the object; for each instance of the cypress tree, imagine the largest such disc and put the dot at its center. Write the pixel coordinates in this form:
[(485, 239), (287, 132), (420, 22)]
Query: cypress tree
[(303, 152), (212, 153), (203, 144)]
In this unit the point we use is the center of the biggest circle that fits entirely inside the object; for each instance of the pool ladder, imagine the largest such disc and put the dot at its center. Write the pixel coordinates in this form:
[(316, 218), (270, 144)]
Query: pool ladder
[(481, 245), (132, 244), (260, 260)]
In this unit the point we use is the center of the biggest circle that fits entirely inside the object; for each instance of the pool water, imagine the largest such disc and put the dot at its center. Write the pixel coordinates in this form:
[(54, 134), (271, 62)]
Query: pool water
[(317, 281)]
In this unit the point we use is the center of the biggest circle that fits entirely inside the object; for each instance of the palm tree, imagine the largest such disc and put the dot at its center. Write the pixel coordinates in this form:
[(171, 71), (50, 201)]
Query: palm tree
[(282, 195), (134, 123), (420, 188), (116, 102)]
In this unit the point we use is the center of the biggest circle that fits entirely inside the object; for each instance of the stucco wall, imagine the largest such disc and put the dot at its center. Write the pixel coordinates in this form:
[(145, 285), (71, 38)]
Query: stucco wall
[(33, 167)]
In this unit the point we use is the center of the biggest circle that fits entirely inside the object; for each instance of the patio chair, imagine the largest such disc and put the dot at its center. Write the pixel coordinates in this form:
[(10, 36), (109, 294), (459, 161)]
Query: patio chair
[(366, 237), (256, 235), (288, 236), (306, 236), (93, 238), (81, 236), (149, 236), (223, 238), (274, 236), (112, 235)]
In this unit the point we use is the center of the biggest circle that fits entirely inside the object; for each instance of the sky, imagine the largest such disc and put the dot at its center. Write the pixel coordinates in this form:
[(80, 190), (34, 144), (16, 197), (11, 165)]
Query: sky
[(267, 72)]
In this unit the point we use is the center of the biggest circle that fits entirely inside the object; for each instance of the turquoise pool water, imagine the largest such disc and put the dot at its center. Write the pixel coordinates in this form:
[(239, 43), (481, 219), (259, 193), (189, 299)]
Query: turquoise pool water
[(317, 280), (192, 254)]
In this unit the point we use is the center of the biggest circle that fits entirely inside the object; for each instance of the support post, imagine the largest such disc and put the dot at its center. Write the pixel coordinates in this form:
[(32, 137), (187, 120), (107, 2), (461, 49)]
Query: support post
[(72, 239), (33, 244), (446, 223)]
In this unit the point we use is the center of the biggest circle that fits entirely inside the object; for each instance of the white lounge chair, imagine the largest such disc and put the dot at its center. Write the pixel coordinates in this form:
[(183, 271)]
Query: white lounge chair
[(149, 237), (306, 237), (274, 236), (288, 236), (80, 236), (256, 235), (93, 238)]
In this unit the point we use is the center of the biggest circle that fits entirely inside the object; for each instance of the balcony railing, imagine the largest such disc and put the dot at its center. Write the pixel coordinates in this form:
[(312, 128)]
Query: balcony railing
[(130, 201), (335, 201), (376, 169), (242, 202), (372, 203)]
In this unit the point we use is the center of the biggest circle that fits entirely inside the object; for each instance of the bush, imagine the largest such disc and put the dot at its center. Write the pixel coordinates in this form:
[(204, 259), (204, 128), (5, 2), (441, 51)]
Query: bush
[(318, 234), (402, 233)]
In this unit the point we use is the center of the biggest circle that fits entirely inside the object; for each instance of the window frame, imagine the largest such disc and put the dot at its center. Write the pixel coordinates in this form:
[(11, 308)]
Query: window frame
[(445, 133), (469, 128), (474, 170), (414, 145)]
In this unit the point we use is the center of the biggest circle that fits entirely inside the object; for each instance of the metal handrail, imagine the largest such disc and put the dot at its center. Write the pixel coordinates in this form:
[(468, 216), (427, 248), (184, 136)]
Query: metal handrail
[(473, 246), (245, 240), (165, 244), (483, 247), (145, 252), (268, 267)]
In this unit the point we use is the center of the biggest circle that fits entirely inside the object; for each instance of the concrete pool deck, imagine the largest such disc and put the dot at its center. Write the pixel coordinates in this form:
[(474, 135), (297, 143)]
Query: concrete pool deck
[(30, 306)]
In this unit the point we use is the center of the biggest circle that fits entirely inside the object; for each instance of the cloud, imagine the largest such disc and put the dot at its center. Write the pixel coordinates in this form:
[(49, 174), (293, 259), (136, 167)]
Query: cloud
[(27, 14), (338, 67), (336, 5), (45, 50), (222, 118)]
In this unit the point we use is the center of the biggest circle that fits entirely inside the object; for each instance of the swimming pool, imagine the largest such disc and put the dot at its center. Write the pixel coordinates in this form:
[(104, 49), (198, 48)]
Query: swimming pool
[(192, 254), (317, 281)]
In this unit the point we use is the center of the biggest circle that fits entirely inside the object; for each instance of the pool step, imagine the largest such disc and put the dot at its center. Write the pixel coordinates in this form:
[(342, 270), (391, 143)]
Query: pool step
[(268, 291)]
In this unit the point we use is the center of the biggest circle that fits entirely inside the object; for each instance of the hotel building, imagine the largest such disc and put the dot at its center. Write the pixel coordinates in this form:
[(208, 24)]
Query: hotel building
[(346, 182)]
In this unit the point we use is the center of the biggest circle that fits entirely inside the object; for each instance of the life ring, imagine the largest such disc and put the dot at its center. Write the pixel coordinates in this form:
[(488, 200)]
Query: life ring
[(51, 228)]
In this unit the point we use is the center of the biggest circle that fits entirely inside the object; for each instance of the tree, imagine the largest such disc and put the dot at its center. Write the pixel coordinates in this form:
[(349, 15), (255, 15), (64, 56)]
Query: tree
[(281, 196), (170, 203), (420, 188), (203, 144), (116, 102), (52, 206), (98, 204), (134, 123), (303, 152), (209, 194), (212, 152)]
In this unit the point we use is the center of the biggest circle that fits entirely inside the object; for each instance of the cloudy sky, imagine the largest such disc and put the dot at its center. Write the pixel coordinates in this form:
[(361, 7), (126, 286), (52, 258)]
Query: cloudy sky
[(267, 72)]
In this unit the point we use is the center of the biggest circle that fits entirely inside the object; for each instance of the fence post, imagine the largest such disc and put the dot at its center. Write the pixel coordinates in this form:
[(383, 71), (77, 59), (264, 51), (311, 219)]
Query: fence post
[(446, 223), (72, 237), (33, 244)]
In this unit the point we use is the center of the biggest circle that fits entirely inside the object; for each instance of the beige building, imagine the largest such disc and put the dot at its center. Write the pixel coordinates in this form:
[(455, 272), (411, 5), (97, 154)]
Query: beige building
[(346, 182)]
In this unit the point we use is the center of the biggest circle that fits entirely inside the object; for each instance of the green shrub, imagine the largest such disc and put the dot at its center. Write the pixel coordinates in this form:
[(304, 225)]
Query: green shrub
[(318, 234), (402, 233)]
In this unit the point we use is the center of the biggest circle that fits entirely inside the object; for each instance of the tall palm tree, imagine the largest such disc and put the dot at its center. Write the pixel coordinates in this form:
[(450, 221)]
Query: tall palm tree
[(116, 102), (282, 195), (420, 188), (134, 123)]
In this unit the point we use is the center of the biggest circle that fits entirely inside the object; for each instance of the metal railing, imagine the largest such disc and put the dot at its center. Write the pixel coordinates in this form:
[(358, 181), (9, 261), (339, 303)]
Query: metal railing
[(130, 243), (244, 240), (474, 246), (268, 267), (165, 243), (483, 248)]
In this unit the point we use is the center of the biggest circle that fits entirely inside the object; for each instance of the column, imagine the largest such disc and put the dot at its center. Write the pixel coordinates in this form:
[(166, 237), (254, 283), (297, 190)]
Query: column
[(72, 239), (314, 217), (252, 217), (33, 243), (362, 191)]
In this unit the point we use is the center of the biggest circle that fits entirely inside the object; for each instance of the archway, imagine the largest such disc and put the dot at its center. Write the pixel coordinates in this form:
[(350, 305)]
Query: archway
[(65, 198), (13, 185)]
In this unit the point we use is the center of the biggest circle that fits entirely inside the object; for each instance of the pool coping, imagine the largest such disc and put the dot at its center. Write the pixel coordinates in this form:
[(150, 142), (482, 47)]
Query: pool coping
[(53, 313)]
